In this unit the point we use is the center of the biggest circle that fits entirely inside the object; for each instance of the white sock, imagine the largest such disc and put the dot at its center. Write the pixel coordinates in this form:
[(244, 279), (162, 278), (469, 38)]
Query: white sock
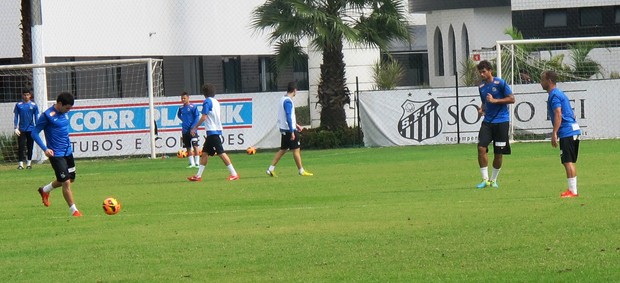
[(572, 184), (21, 163), (232, 170), (28, 162), (73, 208), (301, 170), (484, 171), (495, 174), (48, 188), (272, 168), (197, 159), (191, 161), (201, 168)]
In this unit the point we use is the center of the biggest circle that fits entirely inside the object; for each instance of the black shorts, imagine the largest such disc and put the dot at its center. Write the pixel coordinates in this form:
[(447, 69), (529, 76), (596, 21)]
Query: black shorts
[(569, 149), (213, 145), (496, 132), (64, 167), (189, 140), (287, 143)]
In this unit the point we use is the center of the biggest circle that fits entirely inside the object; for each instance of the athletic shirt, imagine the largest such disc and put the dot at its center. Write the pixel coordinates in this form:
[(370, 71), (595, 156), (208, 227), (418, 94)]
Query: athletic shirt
[(498, 88), (286, 115), (56, 128), (569, 126), (211, 108), (189, 116), (25, 115)]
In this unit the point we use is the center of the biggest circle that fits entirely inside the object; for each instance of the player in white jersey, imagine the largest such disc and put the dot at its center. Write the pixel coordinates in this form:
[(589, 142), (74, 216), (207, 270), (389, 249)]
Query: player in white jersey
[(213, 144), (289, 130)]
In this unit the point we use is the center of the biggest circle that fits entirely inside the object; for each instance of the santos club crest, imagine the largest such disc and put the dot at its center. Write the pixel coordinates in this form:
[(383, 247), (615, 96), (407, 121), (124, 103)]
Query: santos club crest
[(420, 120)]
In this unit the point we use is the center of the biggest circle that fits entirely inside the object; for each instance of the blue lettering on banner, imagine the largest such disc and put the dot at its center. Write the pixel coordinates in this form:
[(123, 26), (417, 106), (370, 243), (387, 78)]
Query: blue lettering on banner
[(135, 118)]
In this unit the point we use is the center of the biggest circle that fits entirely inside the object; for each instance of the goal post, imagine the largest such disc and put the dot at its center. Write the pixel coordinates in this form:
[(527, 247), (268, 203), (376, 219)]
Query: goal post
[(114, 103), (588, 71)]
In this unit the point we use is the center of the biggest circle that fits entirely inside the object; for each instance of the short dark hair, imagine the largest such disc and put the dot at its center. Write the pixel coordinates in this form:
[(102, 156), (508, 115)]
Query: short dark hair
[(27, 90), (551, 75), (65, 98), (292, 86), (484, 64), (208, 90), (184, 93)]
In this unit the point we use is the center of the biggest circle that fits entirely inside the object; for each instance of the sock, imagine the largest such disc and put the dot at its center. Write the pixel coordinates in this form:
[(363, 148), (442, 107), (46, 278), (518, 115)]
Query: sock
[(48, 188), (232, 170), (197, 159), (495, 174), (272, 168), (191, 161), (28, 162), (485, 173), (73, 208), (201, 168), (21, 163), (301, 170), (572, 184)]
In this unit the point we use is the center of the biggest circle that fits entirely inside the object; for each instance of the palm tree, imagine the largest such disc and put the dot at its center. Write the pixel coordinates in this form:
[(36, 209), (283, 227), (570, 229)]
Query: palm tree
[(327, 24), (26, 24)]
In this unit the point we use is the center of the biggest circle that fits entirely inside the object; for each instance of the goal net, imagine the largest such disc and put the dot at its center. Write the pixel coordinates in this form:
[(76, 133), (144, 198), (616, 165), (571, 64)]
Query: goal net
[(589, 74), (114, 112)]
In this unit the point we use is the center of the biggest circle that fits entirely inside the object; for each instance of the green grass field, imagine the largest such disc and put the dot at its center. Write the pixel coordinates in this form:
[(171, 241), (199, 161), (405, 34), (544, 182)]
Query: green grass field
[(400, 214)]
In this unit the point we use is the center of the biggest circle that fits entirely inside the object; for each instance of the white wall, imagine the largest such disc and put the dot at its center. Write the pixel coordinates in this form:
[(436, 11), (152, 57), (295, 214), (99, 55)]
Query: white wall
[(150, 27), (358, 64), (10, 33), (484, 27), (518, 5)]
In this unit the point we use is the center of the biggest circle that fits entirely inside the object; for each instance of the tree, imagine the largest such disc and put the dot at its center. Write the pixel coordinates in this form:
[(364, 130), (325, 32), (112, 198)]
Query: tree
[(327, 24), (26, 24)]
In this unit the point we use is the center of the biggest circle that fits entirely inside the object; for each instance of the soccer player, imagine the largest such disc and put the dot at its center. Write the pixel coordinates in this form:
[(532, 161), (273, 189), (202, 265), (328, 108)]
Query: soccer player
[(213, 144), (289, 130), (495, 94), (26, 112), (54, 122), (189, 115), (565, 129)]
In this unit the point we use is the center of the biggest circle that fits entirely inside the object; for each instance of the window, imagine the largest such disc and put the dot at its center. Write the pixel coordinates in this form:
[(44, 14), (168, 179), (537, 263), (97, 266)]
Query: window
[(592, 16), (451, 51), (231, 68), (300, 75), (267, 73), (439, 70), (617, 15), (555, 18)]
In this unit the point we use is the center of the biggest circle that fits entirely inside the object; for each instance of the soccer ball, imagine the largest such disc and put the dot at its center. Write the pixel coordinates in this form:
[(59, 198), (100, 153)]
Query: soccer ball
[(111, 206), (182, 153), (251, 150)]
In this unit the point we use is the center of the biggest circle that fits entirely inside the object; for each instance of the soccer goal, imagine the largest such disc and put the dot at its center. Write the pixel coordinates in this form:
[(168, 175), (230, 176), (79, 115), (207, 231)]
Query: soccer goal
[(114, 113), (589, 73)]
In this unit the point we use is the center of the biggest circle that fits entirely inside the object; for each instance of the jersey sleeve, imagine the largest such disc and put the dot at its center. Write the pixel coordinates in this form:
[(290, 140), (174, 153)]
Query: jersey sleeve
[(16, 116), (41, 124), (507, 90), (288, 109), (207, 106)]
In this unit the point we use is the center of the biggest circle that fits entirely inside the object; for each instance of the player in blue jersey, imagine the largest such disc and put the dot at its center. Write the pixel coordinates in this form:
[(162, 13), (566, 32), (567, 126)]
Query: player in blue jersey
[(289, 132), (213, 143), (566, 131), (26, 113), (495, 94), (189, 116), (54, 122)]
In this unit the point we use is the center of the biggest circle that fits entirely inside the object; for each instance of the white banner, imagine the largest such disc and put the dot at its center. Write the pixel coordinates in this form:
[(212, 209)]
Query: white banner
[(423, 116), (120, 127)]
